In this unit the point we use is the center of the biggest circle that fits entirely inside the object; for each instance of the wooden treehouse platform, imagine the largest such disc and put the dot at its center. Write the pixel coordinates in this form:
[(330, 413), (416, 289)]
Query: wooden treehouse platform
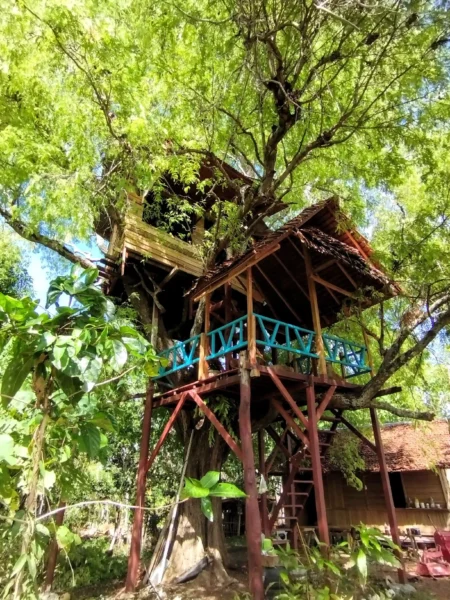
[(267, 345)]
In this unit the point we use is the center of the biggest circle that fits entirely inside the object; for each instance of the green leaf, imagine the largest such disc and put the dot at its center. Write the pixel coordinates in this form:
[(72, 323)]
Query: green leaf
[(102, 420), (361, 563), (118, 354), (207, 508), (90, 439), (64, 537), (18, 566), (7, 448), (194, 489), (42, 529), (227, 490), (210, 479), (16, 372), (32, 567)]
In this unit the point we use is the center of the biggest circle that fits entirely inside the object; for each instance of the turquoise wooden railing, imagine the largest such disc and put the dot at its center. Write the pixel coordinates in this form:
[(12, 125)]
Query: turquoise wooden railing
[(272, 333)]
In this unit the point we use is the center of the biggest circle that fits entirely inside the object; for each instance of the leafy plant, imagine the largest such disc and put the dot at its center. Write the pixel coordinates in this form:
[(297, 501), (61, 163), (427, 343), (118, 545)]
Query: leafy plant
[(209, 487), (55, 359), (342, 573)]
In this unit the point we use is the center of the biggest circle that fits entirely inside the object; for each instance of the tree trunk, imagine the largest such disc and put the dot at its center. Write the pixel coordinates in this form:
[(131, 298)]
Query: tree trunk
[(196, 537)]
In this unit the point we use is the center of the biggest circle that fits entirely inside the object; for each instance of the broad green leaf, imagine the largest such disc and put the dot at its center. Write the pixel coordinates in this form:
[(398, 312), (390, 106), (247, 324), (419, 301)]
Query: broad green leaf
[(16, 372), (18, 566), (194, 489), (32, 567), (361, 563), (90, 439), (64, 537), (210, 479), (42, 529), (227, 490), (207, 508), (102, 420), (118, 354), (7, 448)]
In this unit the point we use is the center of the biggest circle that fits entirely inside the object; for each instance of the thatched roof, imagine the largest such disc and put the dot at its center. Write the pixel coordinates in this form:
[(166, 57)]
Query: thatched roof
[(411, 447), (339, 254)]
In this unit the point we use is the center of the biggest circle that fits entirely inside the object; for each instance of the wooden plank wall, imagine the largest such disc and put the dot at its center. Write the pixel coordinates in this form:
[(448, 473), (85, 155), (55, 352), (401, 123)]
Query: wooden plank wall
[(346, 506)]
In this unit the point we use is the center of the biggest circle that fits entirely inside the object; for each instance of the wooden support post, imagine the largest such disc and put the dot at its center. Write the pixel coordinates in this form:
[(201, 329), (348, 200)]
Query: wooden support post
[(53, 552), (252, 520), (390, 508), (262, 472), (136, 535), (315, 312), (251, 324), (228, 318), (314, 449), (203, 368)]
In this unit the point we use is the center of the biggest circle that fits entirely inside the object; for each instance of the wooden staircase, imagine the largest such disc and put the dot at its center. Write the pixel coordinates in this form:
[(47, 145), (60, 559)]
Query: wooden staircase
[(298, 481)]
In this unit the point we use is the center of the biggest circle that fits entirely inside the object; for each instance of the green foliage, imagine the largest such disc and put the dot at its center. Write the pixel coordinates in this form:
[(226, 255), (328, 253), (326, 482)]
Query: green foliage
[(14, 278), (52, 419), (209, 487), (344, 455), (341, 574), (89, 563)]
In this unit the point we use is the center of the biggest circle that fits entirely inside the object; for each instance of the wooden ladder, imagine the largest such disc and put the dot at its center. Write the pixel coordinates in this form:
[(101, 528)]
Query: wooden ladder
[(298, 483)]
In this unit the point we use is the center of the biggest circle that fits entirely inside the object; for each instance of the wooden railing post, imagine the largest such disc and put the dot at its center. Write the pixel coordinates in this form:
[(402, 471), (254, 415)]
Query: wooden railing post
[(203, 367), (315, 312), (251, 321)]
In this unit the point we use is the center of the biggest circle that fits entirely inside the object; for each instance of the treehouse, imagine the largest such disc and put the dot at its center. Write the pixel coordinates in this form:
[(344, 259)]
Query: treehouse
[(268, 344)]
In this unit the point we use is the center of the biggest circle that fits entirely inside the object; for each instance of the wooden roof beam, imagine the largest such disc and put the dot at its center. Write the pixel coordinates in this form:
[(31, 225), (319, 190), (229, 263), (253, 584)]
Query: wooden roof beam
[(283, 266), (237, 270), (331, 286), (347, 274), (280, 295)]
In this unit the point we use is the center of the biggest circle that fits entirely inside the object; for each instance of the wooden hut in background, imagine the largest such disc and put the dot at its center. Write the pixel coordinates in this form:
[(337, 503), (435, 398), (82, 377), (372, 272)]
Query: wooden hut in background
[(418, 461)]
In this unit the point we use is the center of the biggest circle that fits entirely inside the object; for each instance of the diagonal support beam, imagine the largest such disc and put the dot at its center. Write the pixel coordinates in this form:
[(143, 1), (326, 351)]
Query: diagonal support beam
[(286, 395), (214, 420), (279, 445), (290, 421), (325, 402), (358, 434), (166, 430)]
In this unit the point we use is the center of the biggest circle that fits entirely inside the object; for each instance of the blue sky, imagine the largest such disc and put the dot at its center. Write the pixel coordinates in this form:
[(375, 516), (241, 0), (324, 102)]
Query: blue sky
[(42, 271)]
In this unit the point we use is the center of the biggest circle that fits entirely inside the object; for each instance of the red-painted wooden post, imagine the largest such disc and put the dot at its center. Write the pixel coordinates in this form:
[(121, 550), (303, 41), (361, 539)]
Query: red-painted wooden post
[(136, 535), (252, 520), (262, 471), (390, 508), (314, 448)]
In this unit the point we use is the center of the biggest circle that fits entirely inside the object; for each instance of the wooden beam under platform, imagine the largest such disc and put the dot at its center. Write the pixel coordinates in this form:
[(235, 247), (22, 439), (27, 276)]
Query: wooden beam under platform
[(214, 420)]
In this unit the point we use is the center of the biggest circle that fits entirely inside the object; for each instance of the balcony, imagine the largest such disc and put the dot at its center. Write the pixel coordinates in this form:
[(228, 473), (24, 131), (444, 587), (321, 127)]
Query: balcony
[(292, 344)]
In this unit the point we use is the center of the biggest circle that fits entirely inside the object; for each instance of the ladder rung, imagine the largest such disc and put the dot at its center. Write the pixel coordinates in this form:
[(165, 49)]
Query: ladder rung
[(304, 481), (293, 506), (298, 493)]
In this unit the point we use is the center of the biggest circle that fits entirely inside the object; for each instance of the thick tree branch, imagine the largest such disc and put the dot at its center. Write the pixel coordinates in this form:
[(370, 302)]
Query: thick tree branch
[(21, 229)]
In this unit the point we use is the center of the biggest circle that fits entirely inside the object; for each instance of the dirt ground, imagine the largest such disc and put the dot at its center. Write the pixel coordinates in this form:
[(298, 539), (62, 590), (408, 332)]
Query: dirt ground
[(201, 588)]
